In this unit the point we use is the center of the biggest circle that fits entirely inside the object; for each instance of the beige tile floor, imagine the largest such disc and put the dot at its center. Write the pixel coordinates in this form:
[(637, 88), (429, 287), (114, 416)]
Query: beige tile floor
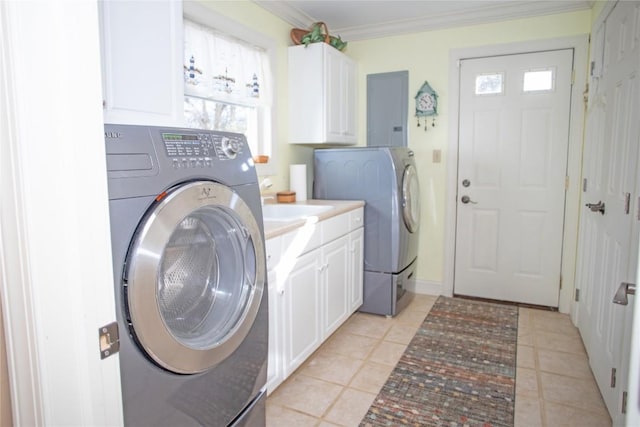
[(554, 384), (337, 384)]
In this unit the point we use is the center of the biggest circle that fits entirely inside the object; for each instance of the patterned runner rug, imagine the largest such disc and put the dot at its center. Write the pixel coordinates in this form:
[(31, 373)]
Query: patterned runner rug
[(458, 370)]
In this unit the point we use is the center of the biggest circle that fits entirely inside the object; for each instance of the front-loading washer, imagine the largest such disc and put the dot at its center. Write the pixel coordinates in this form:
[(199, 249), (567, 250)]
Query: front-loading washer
[(189, 276)]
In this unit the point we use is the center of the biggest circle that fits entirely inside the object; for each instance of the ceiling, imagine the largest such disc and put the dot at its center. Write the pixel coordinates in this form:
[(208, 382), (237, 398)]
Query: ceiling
[(367, 19)]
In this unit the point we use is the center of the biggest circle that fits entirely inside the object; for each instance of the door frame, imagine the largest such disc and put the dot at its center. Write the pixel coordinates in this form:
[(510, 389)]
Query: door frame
[(580, 45), (54, 296)]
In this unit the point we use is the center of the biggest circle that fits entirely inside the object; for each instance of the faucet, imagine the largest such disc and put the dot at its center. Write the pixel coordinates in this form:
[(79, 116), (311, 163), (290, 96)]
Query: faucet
[(264, 184)]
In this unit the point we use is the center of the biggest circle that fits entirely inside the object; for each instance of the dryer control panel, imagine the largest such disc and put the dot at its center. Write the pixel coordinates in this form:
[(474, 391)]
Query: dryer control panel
[(197, 149)]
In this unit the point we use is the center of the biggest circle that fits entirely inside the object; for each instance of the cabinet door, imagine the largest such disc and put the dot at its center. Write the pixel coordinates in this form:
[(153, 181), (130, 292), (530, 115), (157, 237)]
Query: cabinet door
[(356, 267), (340, 103), (334, 96), (141, 44), (302, 310), (335, 284), (275, 367), (350, 101), (322, 92)]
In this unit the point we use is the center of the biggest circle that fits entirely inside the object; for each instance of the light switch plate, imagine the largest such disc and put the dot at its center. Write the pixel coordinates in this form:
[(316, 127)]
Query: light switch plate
[(437, 156)]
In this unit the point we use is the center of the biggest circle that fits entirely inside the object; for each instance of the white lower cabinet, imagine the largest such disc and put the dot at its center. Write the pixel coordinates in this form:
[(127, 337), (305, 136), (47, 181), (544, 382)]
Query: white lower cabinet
[(302, 327), (313, 289), (356, 270), (335, 284), (275, 364)]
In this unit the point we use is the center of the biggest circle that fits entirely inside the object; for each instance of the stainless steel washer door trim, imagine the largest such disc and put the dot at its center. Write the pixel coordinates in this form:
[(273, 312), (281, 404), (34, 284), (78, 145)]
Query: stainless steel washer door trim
[(144, 264), (410, 201)]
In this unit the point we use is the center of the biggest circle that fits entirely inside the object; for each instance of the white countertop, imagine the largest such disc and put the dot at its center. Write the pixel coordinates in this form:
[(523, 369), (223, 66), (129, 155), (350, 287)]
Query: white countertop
[(276, 228)]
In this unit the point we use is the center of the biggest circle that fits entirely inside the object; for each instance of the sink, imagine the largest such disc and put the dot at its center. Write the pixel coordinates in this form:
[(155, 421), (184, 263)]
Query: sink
[(284, 212)]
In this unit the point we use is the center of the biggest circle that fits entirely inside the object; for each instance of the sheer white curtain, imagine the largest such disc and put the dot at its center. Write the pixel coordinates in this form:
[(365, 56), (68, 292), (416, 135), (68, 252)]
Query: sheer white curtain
[(227, 85), (224, 68)]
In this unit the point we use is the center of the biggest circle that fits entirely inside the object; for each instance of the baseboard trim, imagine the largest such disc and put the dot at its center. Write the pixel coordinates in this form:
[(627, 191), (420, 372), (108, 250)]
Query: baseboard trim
[(427, 287)]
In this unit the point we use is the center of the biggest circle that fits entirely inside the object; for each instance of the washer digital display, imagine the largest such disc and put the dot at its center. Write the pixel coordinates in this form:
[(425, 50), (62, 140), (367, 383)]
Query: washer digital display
[(179, 145)]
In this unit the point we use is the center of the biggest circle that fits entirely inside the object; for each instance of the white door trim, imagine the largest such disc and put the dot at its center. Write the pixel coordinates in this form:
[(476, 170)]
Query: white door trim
[(56, 284), (15, 280), (580, 44)]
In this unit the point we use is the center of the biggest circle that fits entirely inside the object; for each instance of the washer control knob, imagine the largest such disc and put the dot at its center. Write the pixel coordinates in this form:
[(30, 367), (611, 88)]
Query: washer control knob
[(230, 147)]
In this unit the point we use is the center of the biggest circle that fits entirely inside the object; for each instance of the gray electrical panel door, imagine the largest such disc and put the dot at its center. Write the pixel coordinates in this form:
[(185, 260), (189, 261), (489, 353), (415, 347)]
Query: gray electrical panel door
[(387, 105)]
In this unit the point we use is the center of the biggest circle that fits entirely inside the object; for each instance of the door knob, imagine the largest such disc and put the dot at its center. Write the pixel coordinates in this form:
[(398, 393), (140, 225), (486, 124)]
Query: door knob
[(624, 290), (467, 199), (596, 207)]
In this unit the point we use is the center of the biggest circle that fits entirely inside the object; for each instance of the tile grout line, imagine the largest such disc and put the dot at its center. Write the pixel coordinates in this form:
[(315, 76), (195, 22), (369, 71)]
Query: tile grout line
[(536, 361), (379, 341)]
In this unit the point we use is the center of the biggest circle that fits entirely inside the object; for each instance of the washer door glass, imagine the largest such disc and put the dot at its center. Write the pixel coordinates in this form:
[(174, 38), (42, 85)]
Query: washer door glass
[(411, 199), (195, 277)]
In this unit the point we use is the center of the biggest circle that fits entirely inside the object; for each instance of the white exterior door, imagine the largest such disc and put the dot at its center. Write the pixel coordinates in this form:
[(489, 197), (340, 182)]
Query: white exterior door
[(513, 141), (608, 230)]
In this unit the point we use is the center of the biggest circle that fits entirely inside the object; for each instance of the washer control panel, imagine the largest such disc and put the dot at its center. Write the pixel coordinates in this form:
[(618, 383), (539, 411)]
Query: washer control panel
[(199, 149)]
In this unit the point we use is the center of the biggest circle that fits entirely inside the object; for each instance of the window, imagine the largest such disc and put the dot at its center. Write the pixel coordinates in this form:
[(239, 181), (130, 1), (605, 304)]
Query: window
[(490, 84), (538, 81), (228, 82)]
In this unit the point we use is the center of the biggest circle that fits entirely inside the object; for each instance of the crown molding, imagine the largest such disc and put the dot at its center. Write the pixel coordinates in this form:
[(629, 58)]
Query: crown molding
[(287, 13), (482, 14)]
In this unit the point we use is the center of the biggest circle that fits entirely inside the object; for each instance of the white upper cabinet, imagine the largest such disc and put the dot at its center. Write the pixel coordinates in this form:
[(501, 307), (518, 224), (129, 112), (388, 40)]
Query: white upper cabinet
[(322, 94), (141, 45)]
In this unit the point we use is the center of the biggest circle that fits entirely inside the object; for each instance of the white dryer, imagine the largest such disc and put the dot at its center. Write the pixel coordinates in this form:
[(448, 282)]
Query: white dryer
[(189, 269)]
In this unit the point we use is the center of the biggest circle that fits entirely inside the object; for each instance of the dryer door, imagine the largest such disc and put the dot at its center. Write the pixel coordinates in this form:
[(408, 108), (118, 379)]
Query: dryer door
[(195, 277), (411, 199)]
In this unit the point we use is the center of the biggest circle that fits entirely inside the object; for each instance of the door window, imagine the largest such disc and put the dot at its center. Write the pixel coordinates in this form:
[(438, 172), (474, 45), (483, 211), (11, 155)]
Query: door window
[(410, 199), (489, 84), (195, 277), (207, 270), (538, 81)]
